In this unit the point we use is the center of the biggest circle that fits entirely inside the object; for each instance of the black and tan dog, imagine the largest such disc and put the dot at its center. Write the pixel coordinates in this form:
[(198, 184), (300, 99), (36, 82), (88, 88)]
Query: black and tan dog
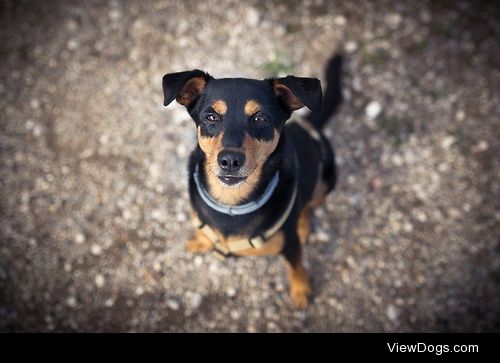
[(254, 177)]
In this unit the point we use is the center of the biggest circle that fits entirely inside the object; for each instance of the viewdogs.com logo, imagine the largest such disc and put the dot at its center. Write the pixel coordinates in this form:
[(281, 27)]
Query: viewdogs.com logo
[(437, 349)]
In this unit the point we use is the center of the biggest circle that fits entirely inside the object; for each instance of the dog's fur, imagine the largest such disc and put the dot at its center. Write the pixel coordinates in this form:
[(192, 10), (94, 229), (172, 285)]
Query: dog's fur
[(247, 118)]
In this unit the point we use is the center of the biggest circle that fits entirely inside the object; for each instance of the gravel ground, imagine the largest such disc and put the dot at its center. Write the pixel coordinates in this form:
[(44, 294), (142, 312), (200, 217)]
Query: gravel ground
[(94, 204)]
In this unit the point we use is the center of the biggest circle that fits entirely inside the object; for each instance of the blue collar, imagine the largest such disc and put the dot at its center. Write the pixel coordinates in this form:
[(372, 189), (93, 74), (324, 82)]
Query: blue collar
[(236, 210)]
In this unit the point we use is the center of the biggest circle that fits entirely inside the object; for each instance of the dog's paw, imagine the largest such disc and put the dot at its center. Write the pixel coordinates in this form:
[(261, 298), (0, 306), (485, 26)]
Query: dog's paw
[(196, 246), (300, 294)]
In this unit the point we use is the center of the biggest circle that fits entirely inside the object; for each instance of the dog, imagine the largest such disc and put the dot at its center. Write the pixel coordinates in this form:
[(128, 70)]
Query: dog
[(255, 176)]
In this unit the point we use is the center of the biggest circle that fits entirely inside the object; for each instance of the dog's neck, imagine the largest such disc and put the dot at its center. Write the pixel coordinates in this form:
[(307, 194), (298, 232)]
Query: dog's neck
[(259, 192)]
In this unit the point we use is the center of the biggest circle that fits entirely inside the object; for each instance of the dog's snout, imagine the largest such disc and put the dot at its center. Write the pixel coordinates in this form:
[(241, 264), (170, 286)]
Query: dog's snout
[(230, 160)]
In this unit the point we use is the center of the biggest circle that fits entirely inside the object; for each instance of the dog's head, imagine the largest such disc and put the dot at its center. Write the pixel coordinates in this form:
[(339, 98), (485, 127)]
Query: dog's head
[(239, 123)]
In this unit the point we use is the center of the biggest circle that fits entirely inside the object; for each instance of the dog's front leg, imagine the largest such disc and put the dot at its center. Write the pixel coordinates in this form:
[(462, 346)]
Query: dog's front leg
[(199, 243), (300, 287)]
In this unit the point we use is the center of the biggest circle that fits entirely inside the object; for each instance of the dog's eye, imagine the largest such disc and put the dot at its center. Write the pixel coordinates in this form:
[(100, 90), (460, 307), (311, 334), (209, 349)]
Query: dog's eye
[(211, 117), (260, 120)]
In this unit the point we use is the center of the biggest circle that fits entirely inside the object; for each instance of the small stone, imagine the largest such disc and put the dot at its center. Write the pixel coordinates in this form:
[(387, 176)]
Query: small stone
[(71, 301), (109, 302), (351, 46), (393, 20), (391, 312), (252, 16), (104, 139), (79, 238), (194, 300), (235, 314), (377, 183), (99, 280), (114, 15), (37, 131), (198, 261), (34, 103), (173, 304), (87, 153), (340, 20), (127, 214), (71, 25), (156, 266), (373, 109), (408, 227), (231, 292), (322, 236), (95, 249), (482, 146), (159, 215), (73, 44), (447, 142), (421, 216), (139, 290), (460, 115), (181, 217), (397, 160)]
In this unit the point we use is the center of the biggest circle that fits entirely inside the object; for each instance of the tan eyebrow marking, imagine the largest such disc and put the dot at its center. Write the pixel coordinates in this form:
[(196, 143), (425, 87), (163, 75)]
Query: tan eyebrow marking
[(251, 107), (220, 107)]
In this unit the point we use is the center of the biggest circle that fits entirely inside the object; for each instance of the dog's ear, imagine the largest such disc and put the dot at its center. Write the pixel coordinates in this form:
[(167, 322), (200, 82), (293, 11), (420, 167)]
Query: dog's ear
[(297, 92), (185, 87)]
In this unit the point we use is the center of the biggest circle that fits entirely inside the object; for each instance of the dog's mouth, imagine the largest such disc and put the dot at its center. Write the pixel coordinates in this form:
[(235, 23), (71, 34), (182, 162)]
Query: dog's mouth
[(231, 179)]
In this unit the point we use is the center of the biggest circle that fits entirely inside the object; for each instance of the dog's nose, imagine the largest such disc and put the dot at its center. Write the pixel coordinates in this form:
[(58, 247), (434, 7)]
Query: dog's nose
[(230, 160)]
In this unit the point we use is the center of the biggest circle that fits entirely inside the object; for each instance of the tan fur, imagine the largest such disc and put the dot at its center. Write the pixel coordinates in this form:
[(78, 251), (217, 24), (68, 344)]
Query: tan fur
[(273, 247), (300, 287), (220, 107), (319, 193), (304, 225), (191, 90), (287, 95), (251, 107), (256, 153), (199, 243)]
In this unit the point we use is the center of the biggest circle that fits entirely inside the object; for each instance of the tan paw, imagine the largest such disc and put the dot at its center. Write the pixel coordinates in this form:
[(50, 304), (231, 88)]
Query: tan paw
[(300, 294), (196, 246)]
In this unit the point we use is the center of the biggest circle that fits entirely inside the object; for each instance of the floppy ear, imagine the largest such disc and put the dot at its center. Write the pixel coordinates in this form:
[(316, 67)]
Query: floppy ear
[(185, 87), (297, 92)]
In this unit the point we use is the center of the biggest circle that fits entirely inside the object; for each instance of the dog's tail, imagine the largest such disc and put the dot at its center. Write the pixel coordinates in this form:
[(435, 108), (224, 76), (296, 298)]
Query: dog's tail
[(333, 94)]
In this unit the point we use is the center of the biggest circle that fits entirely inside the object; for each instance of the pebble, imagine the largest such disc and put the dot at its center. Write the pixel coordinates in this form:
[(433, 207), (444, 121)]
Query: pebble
[(447, 142), (393, 20), (73, 44), (95, 249), (198, 261), (194, 300), (340, 20), (173, 304), (351, 46), (392, 312), (79, 238), (99, 280), (460, 115), (482, 146), (377, 183), (373, 109), (71, 301), (252, 16), (231, 292)]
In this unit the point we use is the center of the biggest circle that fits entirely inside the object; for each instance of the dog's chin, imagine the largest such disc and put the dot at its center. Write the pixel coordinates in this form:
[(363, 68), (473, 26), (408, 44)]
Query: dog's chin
[(230, 180)]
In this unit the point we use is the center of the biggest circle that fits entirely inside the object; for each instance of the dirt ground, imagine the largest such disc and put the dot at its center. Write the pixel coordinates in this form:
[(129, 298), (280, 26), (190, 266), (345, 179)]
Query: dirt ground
[(94, 203)]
